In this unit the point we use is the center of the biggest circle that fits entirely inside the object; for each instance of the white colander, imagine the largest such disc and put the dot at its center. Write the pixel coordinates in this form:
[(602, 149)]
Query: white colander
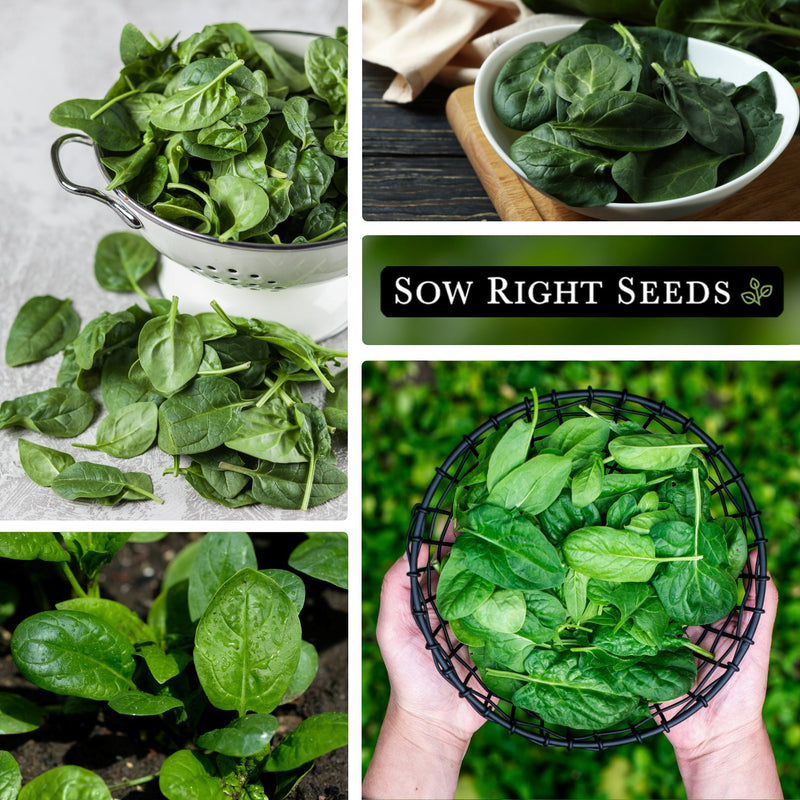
[(300, 285)]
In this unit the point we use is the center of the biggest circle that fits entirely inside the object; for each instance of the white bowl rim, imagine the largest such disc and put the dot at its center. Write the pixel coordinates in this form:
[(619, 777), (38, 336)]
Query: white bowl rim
[(789, 123), (203, 237)]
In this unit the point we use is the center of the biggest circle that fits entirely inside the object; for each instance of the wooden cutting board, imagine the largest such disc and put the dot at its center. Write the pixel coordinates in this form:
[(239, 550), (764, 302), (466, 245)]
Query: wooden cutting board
[(772, 196)]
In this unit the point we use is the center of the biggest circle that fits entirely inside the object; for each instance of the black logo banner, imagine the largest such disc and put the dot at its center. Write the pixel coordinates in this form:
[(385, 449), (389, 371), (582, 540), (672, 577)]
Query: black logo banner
[(469, 291)]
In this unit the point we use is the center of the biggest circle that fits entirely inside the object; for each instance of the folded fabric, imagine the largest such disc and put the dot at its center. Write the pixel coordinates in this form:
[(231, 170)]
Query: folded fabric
[(442, 40)]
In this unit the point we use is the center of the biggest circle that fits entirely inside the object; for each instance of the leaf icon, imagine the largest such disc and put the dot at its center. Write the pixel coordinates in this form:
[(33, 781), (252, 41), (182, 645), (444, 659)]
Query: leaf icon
[(750, 298), (754, 284), (766, 291)]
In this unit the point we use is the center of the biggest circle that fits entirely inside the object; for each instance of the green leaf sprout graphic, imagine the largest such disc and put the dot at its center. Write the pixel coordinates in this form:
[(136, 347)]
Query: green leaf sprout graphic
[(758, 294)]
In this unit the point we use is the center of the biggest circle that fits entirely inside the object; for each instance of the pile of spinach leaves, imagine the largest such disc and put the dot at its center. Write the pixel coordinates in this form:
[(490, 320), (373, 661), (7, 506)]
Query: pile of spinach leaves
[(226, 135), (612, 114), (768, 28), (580, 557), (221, 648), (222, 391)]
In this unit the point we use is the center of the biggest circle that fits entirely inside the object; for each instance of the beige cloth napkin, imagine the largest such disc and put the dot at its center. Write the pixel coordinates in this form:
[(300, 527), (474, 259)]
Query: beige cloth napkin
[(442, 40)]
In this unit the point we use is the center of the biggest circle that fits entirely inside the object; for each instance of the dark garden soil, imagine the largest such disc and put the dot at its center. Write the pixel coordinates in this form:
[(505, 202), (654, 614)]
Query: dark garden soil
[(121, 748)]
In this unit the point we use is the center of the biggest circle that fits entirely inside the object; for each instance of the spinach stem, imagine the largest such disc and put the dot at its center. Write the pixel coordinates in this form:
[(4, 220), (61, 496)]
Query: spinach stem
[(112, 101), (328, 233), (73, 581), (312, 465), (143, 492), (226, 370), (132, 782)]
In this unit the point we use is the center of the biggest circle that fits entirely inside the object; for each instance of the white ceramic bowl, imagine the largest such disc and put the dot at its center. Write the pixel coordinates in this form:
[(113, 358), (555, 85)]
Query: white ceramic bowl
[(302, 285), (710, 59)]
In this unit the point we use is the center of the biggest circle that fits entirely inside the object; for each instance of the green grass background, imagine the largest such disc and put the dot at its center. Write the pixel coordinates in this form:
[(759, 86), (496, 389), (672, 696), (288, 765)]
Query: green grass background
[(414, 413)]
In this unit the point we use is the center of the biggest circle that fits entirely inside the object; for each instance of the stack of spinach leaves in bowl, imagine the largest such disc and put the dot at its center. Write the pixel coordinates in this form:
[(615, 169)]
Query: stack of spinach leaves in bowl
[(611, 114), (579, 559), (225, 135)]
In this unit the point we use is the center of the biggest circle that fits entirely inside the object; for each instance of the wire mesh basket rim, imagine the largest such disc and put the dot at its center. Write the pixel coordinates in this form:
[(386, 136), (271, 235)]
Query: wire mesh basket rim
[(486, 703)]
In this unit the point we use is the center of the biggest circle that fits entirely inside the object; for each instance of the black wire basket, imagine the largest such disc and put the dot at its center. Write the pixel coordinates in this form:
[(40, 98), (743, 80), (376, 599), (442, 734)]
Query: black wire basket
[(728, 639)]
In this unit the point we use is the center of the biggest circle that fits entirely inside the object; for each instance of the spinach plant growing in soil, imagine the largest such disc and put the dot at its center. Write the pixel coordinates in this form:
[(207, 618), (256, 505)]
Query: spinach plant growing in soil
[(226, 135), (579, 560), (216, 663), (615, 114), (223, 392)]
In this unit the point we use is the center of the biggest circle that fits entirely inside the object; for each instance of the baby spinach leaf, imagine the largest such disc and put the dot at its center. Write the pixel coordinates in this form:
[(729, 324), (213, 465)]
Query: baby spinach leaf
[(18, 715), (322, 556), (587, 482), (697, 592), (590, 68), (241, 738), (613, 555), (662, 451), (508, 549), (60, 412), (142, 704), (312, 738), (524, 93), (65, 783), (247, 644), (534, 485), (577, 438), (187, 775), (10, 777), (31, 546), (684, 169), (503, 611), (710, 117), (218, 558), (113, 128), (628, 121), (127, 432), (196, 107), (118, 616), (170, 350), (305, 673), (201, 417), (122, 260), (460, 591), (74, 653), (42, 464), (325, 62), (555, 162), (86, 480), (510, 452), (43, 326), (566, 695)]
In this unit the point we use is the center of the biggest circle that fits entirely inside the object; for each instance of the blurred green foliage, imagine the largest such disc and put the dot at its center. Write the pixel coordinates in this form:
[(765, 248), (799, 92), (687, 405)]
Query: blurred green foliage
[(734, 252), (415, 413)]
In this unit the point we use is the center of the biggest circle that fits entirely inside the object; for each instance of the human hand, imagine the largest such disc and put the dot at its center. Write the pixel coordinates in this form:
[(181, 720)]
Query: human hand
[(723, 750), (418, 691)]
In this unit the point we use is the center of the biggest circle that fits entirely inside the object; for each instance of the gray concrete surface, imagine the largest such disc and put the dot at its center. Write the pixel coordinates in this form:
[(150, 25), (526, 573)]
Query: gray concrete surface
[(52, 51)]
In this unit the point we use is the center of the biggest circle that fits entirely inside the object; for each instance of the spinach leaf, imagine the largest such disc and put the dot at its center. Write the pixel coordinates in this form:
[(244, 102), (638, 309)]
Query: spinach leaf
[(662, 451), (460, 591), (323, 556), (60, 412), (628, 121), (710, 117), (247, 644), (122, 259), (43, 326), (71, 652), (127, 432), (241, 738), (170, 350), (534, 485), (312, 738), (524, 94), (63, 783), (42, 464), (556, 163), (590, 68)]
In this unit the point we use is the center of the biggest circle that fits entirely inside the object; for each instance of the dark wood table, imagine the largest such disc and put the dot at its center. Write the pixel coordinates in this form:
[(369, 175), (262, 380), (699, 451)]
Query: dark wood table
[(413, 166)]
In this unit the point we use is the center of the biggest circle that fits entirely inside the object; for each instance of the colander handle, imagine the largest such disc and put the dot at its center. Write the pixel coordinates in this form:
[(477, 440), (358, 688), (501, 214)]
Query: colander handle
[(86, 191)]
